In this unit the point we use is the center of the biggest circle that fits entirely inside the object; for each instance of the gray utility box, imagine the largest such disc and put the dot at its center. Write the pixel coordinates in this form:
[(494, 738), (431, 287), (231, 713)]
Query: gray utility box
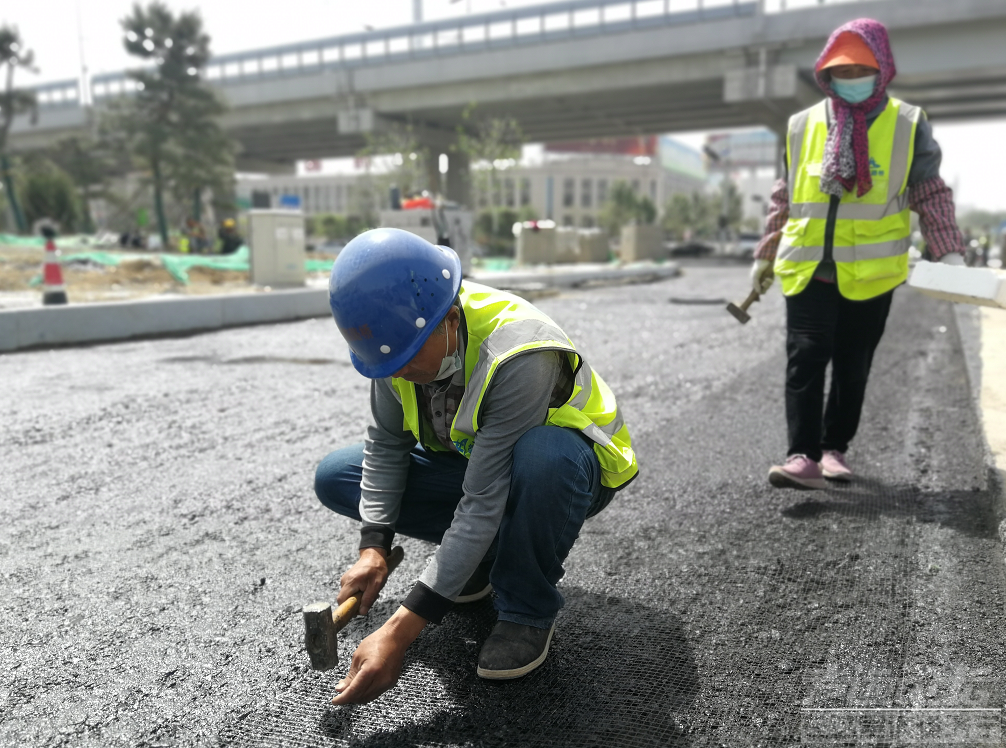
[(642, 242), (434, 225), (553, 245), (276, 246)]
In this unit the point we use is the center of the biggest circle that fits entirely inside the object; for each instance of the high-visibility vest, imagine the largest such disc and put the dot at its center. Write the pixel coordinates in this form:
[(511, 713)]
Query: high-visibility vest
[(872, 232), (500, 327)]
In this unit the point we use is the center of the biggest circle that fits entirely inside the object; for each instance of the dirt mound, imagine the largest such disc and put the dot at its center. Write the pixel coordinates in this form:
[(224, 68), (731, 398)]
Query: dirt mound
[(88, 280), (14, 276), (139, 271), (216, 277)]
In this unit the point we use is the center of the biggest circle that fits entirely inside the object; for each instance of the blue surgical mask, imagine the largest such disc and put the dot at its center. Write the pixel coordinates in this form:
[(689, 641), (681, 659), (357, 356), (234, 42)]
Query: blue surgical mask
[(854, 90)]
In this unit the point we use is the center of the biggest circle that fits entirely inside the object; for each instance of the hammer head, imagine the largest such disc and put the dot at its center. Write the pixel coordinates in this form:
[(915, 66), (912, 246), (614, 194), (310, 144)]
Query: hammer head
[(320, 637), (742, 316)]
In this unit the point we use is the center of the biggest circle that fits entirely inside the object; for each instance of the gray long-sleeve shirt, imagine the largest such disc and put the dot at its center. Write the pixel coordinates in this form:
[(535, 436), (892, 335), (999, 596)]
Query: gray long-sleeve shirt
[(517, 401)]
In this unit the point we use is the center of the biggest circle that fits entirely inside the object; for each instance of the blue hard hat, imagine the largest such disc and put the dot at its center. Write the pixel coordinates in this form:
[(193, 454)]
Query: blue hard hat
[(389, 289)]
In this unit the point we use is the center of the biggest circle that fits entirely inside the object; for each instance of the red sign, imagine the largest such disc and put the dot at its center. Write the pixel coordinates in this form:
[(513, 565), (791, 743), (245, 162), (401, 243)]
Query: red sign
[(645, 145)]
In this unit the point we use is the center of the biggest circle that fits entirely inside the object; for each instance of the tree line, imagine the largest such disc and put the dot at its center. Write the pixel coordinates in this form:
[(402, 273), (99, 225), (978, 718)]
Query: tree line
[(167, 136), (167, 132)]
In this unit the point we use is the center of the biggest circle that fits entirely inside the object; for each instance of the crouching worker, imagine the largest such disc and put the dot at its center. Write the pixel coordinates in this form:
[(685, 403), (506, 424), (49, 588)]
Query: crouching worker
[(490, 436)]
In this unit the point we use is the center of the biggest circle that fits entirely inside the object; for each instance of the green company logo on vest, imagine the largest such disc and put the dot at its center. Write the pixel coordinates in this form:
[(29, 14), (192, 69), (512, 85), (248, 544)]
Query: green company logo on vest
[(875, 170), (463, 447)]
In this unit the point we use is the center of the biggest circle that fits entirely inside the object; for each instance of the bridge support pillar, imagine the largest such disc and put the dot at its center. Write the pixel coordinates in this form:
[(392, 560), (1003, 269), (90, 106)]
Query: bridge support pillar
[(456, 184), (772, 93)]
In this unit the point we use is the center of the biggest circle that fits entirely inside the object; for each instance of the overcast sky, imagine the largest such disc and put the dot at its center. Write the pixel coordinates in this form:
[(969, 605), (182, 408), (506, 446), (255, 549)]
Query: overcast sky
[(62, 31)]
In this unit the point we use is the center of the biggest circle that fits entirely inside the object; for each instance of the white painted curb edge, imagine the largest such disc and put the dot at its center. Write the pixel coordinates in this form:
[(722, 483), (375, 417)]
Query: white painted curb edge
[(74, 324), (569, 276), (969, 329), (104, 322)]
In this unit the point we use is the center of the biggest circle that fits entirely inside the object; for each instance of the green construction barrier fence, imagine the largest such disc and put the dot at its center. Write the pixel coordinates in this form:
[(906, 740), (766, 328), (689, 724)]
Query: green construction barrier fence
[(177, 265)]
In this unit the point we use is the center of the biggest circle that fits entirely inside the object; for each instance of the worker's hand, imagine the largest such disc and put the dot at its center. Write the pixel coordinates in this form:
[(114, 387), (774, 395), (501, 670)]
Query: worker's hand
[(953, 258), (368, 576), (377, 662), (762, 276)]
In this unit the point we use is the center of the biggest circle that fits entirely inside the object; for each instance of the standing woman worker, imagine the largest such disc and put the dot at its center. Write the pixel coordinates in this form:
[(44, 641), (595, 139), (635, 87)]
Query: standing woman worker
[(838, 235)]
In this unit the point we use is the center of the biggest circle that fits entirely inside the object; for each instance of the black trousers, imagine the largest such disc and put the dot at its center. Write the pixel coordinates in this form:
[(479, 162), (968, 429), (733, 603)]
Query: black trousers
[(823, 327)]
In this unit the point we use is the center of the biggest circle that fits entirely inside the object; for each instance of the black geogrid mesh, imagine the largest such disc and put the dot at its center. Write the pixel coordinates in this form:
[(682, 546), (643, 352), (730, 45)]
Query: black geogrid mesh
[(813, 648), (618, 673), (866, 677)]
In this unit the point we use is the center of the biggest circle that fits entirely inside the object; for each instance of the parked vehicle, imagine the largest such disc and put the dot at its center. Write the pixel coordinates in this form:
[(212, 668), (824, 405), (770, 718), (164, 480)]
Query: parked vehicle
[(691, 249), (747, 242)]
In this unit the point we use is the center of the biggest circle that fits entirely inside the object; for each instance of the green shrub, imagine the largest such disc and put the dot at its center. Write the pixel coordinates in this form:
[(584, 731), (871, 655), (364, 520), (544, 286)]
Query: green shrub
[(494, 229), (48, 192), (334, 227), (624, 206)]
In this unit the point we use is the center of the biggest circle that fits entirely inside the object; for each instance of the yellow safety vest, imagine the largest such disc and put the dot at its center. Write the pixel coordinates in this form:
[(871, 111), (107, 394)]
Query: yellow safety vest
[(872, 232), (500, 327)]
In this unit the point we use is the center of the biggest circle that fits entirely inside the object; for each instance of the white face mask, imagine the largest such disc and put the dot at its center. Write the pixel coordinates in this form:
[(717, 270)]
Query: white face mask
[(450, 364)]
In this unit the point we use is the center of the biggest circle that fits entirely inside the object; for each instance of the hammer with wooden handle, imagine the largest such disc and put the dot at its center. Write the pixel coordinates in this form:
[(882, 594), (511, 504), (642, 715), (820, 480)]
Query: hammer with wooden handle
[(741, 312), (322, 625)]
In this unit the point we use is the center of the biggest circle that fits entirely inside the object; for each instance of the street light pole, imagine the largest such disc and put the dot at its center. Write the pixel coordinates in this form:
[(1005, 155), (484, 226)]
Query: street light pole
[(722, 159)]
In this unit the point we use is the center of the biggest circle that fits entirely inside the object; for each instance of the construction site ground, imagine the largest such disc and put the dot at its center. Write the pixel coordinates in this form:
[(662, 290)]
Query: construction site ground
[(133, 278), (159, 535)]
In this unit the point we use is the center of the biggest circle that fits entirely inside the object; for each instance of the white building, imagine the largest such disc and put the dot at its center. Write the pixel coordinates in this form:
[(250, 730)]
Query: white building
[(338, 193), (750, 158), (568, 187)]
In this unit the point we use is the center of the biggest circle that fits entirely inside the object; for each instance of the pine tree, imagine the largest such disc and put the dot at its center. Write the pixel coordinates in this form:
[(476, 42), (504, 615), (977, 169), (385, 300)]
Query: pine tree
[(172, 123), (13, 102)]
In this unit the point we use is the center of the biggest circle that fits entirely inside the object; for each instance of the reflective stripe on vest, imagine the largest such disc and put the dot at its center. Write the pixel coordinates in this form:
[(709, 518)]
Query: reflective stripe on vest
[(872, 232), (500, 327)]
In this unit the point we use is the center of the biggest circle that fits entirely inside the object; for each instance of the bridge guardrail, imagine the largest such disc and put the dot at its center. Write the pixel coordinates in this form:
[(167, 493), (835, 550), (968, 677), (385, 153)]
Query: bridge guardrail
[(58, 93), (517, 26), (533, 24)]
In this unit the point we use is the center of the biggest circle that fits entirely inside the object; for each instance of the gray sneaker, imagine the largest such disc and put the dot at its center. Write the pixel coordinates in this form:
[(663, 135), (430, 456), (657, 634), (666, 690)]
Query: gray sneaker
[(513, 650)]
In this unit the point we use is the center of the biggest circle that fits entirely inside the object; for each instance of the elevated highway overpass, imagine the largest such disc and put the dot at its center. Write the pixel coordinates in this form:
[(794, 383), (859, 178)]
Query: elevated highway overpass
[(575, 69)]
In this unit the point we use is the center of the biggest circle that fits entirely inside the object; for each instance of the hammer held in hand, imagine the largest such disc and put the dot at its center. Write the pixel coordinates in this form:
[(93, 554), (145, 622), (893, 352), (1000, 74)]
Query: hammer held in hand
[(322, 625), (741, 312)]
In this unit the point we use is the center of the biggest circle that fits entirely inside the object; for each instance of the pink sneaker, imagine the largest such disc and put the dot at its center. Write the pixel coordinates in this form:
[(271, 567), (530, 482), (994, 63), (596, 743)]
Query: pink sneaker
[(799, 472), (834, 466)]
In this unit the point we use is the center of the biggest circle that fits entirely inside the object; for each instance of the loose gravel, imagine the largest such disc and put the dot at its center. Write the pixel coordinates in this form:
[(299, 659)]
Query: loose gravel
[(159, 535)]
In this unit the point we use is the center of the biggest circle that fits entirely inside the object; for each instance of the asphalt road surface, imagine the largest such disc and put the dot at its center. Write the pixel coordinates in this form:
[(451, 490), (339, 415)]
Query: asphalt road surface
[(159, 535)]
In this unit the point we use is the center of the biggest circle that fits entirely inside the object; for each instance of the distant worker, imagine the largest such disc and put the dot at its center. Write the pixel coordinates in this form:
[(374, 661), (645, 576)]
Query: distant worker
[(196, 235), (490, 436), (230, 240), (839, 233)]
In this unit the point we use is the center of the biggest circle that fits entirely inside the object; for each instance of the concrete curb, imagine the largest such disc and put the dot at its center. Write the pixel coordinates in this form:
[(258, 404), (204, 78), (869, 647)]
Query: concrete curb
[(969, 329), (77, 324), (570, 276), (22, 329)]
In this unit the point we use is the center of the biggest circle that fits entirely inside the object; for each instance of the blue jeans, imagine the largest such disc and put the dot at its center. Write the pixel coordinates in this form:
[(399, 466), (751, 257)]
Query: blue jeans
[(555, 485)]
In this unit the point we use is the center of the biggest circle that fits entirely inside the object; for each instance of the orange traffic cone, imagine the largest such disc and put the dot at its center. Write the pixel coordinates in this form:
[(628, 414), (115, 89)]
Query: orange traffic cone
[(53, 290)]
